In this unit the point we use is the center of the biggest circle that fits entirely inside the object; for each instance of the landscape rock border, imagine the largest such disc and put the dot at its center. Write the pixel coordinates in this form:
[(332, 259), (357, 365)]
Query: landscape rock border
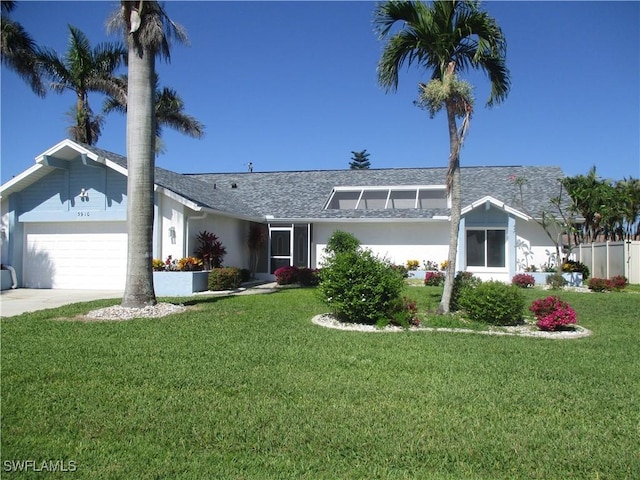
[(527, 330)]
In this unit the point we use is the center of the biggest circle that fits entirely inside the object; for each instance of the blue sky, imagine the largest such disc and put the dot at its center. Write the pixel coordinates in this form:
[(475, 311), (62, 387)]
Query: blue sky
[(293, 86)]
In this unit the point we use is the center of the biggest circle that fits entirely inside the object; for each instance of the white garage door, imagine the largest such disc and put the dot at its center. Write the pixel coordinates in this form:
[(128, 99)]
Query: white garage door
[(87, 256)]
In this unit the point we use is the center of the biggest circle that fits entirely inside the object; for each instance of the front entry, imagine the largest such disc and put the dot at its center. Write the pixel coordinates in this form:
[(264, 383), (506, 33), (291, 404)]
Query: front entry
[(289, 245)]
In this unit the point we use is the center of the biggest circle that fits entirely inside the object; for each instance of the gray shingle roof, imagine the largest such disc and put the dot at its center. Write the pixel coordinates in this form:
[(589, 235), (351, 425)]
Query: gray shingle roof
[(303, 194)]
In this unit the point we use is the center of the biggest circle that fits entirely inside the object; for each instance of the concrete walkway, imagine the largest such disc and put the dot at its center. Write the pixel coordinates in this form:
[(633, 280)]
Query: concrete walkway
[(22, 300)]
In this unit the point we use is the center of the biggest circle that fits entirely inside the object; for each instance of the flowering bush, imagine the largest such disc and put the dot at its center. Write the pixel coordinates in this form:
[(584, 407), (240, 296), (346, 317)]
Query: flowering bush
[(444, 265), (433, 279), (286, 275), (412, 264), (552, 313), (523, 280), (430, 265)]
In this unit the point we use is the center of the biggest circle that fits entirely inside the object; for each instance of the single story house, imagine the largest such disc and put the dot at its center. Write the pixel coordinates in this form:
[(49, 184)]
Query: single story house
[(64, 219)]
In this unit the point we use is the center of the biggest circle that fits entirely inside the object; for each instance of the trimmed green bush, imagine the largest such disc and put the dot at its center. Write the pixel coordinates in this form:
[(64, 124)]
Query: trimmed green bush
[(360, 287), (342, 242), (556, 281), (226, 278), (493, 302), (462, 280)]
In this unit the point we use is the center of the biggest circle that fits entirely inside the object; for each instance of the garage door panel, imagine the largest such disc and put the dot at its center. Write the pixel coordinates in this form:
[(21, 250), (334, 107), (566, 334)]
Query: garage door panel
[(80, 256)]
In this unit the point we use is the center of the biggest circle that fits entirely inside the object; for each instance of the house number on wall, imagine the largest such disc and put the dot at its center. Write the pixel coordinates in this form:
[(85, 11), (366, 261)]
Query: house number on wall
[(83, 214)]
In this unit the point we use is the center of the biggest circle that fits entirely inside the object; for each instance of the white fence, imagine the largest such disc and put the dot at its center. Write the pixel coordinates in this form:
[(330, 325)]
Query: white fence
[(608, 259)]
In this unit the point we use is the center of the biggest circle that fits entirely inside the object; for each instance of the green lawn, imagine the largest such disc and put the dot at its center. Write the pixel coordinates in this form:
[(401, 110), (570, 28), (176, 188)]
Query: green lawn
[(248, 388)]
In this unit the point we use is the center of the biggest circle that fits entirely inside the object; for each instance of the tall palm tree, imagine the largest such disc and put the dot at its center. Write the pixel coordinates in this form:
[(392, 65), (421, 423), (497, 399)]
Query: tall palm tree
[(148, 30), (444, 38), (81, 70), (18, 50), (169, 111)]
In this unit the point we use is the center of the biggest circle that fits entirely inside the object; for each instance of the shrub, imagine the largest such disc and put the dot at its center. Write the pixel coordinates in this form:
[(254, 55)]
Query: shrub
[(189, 264), (556, 281), (412, 264), (245, 275), (618, 283), (598, 284), (573, 266), (523, 280), (342, 242), (430, 265), (434, 279), (405, 314), (493, 302), (158, 265), (224, 278), (360, 287), (552, 313), (286, 275), (308, 277), (401, 269), (462, 281)]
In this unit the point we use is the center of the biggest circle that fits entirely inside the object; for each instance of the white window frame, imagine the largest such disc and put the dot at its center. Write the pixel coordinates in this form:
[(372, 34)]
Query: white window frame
[(485, 268)]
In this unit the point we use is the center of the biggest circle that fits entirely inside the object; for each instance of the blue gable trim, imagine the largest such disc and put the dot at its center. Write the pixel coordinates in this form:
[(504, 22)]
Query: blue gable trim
[(84, 191)]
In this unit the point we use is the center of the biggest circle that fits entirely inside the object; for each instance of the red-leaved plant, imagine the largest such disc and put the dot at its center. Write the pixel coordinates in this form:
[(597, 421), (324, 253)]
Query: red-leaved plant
[(523, 280), (552, 313), (433, 279)]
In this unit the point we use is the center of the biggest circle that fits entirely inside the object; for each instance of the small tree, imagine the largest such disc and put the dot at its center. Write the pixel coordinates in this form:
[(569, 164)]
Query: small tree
[(557, 220), (360, 160)]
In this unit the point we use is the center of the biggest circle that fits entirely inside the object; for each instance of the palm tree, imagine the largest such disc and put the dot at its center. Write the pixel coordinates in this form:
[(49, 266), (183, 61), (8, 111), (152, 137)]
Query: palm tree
[(18, 50), (148, 30), (445, 38), (83, 70), (169, 111)]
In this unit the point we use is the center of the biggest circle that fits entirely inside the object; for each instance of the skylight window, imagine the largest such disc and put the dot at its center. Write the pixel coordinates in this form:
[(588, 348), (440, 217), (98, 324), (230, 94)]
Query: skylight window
[(388, 198)]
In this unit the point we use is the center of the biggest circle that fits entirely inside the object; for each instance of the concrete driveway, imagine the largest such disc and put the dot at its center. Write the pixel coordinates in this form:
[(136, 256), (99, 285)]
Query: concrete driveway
[(21, 300)]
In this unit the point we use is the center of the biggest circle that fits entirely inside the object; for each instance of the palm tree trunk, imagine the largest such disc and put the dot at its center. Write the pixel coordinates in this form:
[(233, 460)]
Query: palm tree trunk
[(454, 189), (139, 291)]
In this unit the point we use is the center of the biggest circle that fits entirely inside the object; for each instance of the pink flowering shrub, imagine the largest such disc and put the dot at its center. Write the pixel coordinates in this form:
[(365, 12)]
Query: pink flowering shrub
[(433, 279), (523, 280), (552, 313), (286, 275)]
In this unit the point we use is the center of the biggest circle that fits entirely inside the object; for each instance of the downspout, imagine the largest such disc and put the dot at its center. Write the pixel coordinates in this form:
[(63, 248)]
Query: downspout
[(186, 234)]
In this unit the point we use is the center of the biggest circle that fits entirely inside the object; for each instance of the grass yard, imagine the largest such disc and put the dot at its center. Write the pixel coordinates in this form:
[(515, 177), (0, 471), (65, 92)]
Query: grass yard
[(248, 388)]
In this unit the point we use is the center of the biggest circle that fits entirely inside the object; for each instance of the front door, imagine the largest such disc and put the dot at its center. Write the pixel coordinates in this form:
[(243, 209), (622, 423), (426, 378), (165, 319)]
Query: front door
[(289, 245)]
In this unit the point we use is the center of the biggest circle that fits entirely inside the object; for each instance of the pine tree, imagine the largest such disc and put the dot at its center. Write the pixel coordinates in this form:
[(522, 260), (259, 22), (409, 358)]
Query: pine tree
[(360, 160)]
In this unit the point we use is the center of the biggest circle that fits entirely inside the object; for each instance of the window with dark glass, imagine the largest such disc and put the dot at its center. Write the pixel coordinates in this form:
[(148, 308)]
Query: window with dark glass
[(486, 248)]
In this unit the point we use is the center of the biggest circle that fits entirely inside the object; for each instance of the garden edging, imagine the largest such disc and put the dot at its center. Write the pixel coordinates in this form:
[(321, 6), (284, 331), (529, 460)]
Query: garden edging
[(329, 321)]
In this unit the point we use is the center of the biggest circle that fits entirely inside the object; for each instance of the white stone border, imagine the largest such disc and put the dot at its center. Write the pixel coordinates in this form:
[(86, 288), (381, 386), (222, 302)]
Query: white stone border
[(329, 321)]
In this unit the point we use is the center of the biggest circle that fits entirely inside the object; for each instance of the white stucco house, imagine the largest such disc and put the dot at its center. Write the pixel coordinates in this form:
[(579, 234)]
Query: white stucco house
[(64, 219)]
